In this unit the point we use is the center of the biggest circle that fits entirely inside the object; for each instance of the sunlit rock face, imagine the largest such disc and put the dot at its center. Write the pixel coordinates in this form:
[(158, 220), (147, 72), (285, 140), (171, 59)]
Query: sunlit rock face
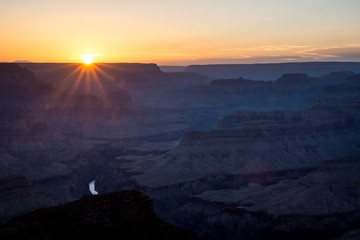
[(126, 214)]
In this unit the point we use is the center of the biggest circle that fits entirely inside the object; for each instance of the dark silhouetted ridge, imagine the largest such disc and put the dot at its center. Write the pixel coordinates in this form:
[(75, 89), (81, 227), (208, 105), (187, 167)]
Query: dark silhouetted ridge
[(119, 215)]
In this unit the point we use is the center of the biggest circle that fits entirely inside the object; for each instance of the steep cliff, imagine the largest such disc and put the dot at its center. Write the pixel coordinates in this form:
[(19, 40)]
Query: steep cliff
[(20, 90), (145, 82), (18, 196), (285, 93), (323, 204), (333, 187), (254, 142), (347, 90)]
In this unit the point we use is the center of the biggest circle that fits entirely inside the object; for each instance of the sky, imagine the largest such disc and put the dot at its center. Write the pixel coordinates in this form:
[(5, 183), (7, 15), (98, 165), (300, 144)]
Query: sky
[(180, 32)]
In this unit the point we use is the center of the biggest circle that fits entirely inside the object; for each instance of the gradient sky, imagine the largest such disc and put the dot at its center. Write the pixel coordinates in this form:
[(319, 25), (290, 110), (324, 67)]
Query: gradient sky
[(180, 32)]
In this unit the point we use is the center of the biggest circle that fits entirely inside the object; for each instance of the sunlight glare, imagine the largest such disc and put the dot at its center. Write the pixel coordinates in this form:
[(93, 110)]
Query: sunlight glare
[(88, 58)]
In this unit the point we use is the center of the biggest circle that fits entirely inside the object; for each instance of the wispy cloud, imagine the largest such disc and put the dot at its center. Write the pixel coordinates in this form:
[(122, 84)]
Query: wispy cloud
[(347, 53), (277, 47), (276, 53)]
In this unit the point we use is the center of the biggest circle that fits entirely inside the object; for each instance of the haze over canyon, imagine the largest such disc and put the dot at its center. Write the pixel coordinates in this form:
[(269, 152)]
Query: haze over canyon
[(240, 151)]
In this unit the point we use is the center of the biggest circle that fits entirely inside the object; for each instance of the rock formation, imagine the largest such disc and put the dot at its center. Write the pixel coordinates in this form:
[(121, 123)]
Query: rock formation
[(324, 204), (347, 90), (271, 71), (243, 141), (255, 142), (18, 195), (125, 215), (144, 82), (285, 93)]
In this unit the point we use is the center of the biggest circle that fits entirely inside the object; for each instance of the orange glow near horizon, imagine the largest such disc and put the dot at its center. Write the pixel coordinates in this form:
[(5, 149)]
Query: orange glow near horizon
[(179, 32)]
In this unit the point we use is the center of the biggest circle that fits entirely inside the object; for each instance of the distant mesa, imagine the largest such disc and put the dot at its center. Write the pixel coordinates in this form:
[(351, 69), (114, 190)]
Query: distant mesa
[(137, 67), (294, 78), (271, 71), (172, 68), (23, 61)]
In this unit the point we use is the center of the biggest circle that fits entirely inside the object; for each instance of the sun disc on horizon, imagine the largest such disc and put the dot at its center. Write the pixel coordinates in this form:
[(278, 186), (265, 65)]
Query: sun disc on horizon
[(88, 59)]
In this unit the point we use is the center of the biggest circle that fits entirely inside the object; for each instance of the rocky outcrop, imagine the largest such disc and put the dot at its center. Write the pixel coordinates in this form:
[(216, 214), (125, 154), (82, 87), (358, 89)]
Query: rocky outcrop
[(214, 220), (285, 93), (332, 188), (111, 115), (204, 105), (320, 205), (13, 74), (18, 196), (137, 67), (50, 162), (118, 99), (127, 215), (352, 81), (333, 78), (296, 79), (44, 138), (334, 94), (148, 149), (254, 142), (351, 235), (144, 82), (20, 90), (347, 91), (69, 103)]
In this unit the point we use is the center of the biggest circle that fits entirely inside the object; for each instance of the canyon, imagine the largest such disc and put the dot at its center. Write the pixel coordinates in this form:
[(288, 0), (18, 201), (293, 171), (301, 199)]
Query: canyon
[(219, 154)]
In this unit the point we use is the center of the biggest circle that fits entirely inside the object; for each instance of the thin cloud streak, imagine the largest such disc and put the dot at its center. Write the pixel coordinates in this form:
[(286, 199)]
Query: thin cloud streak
[(278, 53), (278, 47), (349, 53)]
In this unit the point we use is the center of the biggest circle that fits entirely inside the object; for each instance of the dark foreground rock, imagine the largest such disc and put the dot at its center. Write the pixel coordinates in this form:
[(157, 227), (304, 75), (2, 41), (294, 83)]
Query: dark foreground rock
[(120, 215)]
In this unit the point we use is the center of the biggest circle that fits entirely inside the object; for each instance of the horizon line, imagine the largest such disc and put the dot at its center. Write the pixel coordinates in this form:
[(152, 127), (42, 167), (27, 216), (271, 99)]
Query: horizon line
[(182, 65)]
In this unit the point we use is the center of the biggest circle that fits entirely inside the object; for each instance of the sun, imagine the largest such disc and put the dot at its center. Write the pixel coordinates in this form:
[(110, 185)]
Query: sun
[(88, 58)]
